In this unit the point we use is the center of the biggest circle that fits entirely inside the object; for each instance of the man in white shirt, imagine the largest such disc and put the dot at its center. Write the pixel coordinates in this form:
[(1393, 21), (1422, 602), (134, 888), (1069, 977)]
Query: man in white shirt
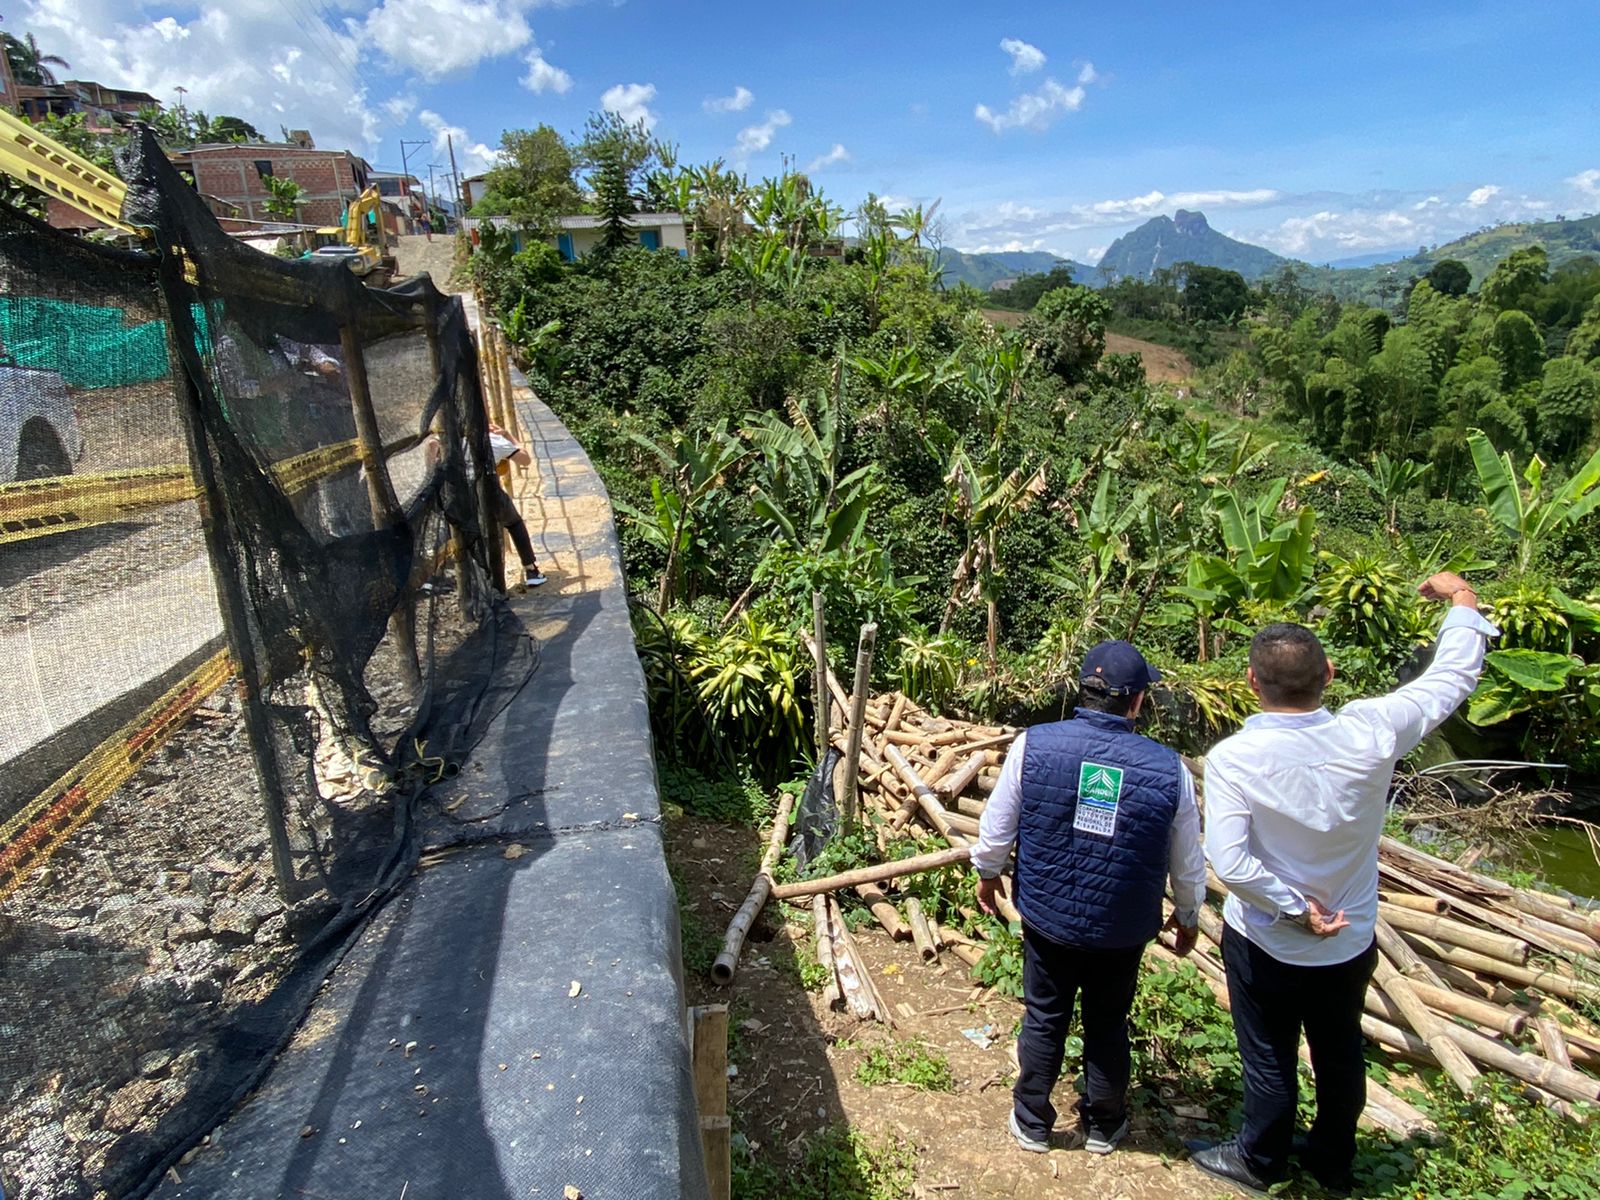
[(1101, 817), (1295, 803)]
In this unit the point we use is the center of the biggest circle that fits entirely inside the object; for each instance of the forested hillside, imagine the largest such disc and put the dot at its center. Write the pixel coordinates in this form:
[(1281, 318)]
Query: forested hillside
[(1161, 243)]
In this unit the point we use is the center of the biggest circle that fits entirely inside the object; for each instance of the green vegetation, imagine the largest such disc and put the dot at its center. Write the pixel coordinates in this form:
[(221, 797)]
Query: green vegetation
[(836, 1164), (913, 1064)]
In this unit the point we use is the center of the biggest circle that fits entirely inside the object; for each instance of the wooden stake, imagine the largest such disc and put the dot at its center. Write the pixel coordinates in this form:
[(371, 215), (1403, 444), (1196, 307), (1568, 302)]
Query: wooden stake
[(850, 802), (716, 1144), (709, 1033)]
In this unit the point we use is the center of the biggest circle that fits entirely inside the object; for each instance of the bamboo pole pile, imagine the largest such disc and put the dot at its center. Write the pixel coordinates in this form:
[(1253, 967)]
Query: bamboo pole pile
[(1474, 975)]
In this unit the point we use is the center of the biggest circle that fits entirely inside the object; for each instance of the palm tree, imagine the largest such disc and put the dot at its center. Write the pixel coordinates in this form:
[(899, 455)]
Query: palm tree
[(29, 64)]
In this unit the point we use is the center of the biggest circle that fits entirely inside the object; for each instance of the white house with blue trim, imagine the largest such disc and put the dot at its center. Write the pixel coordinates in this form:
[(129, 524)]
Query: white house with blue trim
[(581, 234)]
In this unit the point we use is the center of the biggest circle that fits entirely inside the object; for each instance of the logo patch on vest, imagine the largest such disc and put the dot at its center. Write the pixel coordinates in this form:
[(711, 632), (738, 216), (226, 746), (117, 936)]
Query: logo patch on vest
[(1099, 790)]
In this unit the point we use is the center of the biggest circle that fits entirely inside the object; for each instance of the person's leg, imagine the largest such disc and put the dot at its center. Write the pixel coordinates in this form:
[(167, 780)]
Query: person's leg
[(506, 513), (1109, 978), (1333, 1005), (1048, 990), (1266, 1021)]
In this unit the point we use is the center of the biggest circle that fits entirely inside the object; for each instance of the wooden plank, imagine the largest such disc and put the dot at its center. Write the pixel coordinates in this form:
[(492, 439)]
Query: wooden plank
[(709, 1023), (716, 1143)]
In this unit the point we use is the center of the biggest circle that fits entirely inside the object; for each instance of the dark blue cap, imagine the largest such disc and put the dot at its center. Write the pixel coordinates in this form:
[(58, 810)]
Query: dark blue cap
[(1117, 668)]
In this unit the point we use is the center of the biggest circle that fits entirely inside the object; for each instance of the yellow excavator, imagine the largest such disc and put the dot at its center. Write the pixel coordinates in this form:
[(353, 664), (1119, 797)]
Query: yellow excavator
[(359, 241)]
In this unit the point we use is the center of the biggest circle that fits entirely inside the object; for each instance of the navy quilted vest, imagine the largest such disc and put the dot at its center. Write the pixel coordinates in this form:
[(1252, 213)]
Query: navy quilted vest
[(1098, 801)]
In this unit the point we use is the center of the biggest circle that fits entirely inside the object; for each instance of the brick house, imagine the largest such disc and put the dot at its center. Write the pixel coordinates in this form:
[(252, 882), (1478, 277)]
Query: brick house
[(404, 202), (97, 102), (229, 176)]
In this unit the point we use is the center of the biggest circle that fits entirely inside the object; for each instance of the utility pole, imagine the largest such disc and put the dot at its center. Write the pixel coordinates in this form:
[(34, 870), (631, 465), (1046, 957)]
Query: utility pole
[(183, 121), (460, 185), (405, 169)]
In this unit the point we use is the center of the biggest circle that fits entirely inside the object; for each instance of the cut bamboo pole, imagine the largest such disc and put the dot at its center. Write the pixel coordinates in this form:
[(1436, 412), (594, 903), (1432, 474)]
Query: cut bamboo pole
[(873, 874), (926, 800), (941, 765), (1552, 1040), (1547, 981), (957, 783), (921, 933), (1509, 1022), (1455, 933), (896, 713), (858, 718), (727, 962), (822, 943), (821, 705), (880, 1006), (888, 916), (1422, 904), (1403, 956), (1427, 1024)]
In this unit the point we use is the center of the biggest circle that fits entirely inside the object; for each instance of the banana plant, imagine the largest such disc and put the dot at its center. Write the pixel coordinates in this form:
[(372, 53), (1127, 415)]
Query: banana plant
[(800, 487), (1526, 519), (685, 516), (985, 498), (1392, 478)]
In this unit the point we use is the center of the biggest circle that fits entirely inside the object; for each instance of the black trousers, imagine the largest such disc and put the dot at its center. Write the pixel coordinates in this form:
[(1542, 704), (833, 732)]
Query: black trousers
[(506, 513), (1272, 1002), (1054, 976)]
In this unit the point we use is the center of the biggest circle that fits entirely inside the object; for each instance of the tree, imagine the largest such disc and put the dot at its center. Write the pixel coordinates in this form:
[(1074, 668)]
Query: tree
[(1518, 348), (1515, 282), (285, 196), (1067, 330), (29, 64), (1449, 277), (1569, 404), (1213, 294), (532, 184), (618, 158)]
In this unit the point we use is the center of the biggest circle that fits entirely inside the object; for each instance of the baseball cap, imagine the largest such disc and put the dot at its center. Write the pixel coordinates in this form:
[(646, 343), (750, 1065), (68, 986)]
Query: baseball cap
[(1116, 667)]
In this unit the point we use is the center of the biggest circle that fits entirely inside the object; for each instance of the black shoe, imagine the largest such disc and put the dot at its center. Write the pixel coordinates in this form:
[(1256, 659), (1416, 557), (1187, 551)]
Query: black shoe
[(1338, 1183), (1223, 1161)]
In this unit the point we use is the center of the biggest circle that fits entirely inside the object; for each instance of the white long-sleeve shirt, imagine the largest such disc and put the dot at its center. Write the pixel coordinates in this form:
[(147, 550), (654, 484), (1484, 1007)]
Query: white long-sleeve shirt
[(1295, 802), (997, 832)]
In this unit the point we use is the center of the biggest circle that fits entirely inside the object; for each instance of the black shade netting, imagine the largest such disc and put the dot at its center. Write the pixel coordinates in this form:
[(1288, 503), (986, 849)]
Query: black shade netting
[(248, 619)]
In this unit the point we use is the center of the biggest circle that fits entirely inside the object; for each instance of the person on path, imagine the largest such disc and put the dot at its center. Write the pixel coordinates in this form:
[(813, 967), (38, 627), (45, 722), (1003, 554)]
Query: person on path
[(1101, 817), (1295, 803), (505, 450)]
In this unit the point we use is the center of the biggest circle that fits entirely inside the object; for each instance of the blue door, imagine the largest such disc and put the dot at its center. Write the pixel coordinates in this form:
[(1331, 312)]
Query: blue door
[(564, 244), (650, 239)]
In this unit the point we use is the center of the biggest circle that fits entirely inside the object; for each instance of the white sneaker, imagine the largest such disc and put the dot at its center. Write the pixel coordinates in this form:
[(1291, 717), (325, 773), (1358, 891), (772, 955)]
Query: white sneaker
[(1032, 1145), (1104, 1143), (533, 579)]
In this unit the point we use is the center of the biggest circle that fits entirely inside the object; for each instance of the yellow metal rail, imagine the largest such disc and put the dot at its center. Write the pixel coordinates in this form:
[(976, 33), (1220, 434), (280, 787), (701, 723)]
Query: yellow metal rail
[(34, 507), (46, 164), (31, 835)]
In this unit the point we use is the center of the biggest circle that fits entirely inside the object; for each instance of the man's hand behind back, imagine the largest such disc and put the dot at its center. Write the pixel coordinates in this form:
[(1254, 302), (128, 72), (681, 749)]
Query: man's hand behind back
[(1323, 922)]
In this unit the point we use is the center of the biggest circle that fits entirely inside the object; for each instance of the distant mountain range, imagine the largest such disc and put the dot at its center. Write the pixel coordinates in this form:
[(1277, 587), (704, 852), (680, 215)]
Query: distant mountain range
[(983, 271), (1162, 242)]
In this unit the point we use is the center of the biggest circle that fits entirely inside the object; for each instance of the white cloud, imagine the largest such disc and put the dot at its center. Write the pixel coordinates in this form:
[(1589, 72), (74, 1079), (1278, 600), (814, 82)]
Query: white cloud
[(1094, 254), (1347, 232), (1153, 202), (1088, 75), (1024, 58), (1481, 196), (436, 38), (474, 158), (631, 102), (1427, 203), (544, 77), (247, 58), (1587, 183), (738, 102), (1033, 110), (399, 108), (837, 155), (755, 138)]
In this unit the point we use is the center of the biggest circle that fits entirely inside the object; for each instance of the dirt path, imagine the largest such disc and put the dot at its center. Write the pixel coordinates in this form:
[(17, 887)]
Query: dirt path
[(415, 254), (1162, 364), (796, 1062)]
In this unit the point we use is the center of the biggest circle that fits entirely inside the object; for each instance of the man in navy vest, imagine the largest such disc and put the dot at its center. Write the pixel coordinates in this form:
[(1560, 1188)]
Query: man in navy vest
[(1101, 816)]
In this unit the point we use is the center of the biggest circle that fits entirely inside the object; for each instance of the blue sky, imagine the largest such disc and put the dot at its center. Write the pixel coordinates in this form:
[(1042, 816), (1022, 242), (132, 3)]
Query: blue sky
[(1320, 131)]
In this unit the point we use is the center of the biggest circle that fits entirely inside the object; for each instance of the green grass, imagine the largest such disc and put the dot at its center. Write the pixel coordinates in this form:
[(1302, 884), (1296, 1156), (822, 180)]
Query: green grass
[(836, 1164), (911, 1063)]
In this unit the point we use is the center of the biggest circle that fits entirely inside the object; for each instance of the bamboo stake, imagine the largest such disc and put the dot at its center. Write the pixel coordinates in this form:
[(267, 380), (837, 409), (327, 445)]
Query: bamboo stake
[(888, 916), (727, 962), (962, 779), (1552, 1040), (1427, 1024), (1403, 956), (921, 934), (895, 713), (873, 874), (858, 717), (847, 942), (1507, 1021), (821, 710), (832, 992), (1456, 934)]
